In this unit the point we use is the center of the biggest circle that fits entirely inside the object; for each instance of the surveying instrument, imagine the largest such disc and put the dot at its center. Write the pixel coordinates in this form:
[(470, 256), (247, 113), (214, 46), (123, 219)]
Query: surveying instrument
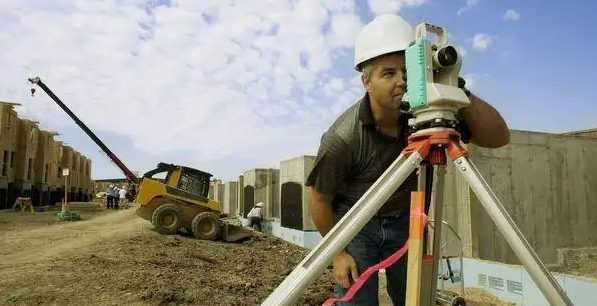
[(434, 98)]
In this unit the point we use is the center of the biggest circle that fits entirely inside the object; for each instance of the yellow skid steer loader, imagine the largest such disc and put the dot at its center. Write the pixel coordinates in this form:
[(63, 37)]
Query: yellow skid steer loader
[(180, 201)]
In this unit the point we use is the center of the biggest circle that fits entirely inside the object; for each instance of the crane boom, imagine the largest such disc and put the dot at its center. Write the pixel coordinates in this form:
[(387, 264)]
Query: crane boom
[(127, 172)]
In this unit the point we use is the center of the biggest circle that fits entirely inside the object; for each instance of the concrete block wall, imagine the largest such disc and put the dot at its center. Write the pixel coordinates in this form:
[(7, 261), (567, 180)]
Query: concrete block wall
[(213, 192), (240, 198), (229, 199), (219, 192), (548, 185), (294, 197), (260, 185)]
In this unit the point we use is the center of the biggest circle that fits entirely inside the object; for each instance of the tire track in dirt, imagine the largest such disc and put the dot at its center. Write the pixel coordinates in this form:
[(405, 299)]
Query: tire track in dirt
[(39, 244)]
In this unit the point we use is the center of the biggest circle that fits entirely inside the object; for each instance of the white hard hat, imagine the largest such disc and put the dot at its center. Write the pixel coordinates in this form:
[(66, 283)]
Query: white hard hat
[(385, 34), (260, 204), (111, 186)]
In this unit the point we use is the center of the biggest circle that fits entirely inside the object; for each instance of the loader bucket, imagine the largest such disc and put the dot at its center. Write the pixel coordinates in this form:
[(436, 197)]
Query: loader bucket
[(233, 233)]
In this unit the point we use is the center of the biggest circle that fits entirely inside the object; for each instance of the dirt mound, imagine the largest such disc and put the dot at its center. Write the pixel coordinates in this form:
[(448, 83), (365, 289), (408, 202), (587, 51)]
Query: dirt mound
[(117, 259), (179, 270)]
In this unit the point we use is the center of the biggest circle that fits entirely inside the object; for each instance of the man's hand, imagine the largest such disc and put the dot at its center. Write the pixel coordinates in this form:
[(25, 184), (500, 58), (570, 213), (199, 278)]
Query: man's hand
[(344, 265)]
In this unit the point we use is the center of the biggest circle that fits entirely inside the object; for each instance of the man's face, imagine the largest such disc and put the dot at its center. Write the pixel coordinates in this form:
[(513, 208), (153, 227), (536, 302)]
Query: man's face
[(387, 80)]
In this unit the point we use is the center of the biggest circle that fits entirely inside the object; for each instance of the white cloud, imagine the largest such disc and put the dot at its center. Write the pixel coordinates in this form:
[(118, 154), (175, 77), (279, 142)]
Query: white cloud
[(378, 7), (473, 79), (511, 15), (462, 51), (470, 4), (481, 41), (470, 79), (245, 80)]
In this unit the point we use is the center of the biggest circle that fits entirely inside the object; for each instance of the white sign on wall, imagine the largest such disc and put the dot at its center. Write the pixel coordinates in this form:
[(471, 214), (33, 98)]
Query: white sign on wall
[(64, 172)]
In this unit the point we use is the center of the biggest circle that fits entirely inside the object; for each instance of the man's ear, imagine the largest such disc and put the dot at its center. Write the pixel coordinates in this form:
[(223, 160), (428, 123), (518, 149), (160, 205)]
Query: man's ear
[(366, 82)]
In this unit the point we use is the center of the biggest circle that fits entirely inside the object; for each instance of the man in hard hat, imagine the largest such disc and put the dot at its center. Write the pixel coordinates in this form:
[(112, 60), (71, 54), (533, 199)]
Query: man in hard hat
[(363, 142), (255, 216), (122, 196), (110, 197)]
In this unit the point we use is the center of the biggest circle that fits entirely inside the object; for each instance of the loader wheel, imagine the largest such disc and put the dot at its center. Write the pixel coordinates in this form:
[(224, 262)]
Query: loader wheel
[(206, 226), (166, 219)]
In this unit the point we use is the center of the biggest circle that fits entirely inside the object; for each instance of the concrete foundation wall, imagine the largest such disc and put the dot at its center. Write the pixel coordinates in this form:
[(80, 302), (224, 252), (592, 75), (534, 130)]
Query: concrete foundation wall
[(294, 196), (548, 185), (230, 196), (306, 239), (213, 193), (592, 133), (240, 196), (514, 284), (260, 186), (219, 192)]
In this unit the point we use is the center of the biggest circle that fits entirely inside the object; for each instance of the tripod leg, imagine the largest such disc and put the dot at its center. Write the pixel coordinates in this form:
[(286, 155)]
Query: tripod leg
[(342, 233), (438, 210), (432, 246), (552, 291)]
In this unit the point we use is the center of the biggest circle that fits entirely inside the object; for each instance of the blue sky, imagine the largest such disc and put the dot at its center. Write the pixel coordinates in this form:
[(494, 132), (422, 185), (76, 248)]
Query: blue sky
[(256, 82)]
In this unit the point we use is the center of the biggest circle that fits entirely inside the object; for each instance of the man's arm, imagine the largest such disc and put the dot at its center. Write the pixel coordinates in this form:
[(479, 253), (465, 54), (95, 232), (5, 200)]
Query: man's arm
[(322, 214), (331, 167), (487, 126)]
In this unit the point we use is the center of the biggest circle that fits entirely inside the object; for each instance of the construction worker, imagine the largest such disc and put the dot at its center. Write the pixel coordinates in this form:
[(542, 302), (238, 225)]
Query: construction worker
[(362, 143), (122, 196), (116, 197), (110, 197), (255, 216)]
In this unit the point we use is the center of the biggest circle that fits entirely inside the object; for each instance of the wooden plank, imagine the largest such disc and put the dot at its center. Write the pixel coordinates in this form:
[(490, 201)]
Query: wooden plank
[(415, 249)]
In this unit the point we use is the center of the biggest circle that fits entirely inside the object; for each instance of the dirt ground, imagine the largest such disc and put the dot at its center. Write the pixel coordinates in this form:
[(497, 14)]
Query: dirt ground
[(115, 258), (473, 296), (587, 267)]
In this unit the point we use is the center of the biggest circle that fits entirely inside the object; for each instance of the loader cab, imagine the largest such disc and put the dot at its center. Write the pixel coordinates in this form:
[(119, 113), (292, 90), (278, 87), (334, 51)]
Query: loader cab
[(188, 179)]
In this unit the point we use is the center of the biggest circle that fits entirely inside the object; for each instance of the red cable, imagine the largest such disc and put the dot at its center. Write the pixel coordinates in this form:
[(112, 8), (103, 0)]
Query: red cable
[(382, 265)]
